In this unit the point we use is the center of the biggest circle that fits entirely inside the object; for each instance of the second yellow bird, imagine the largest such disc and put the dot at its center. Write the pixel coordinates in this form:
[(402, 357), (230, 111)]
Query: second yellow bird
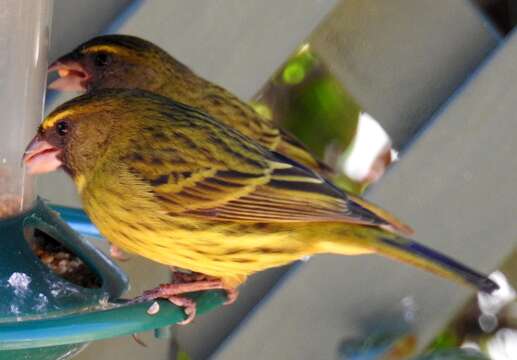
[(128, 62)]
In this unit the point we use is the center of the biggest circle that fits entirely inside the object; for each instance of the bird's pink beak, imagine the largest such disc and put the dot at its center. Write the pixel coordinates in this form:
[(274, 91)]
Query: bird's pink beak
[(40, 157), (72, 75)]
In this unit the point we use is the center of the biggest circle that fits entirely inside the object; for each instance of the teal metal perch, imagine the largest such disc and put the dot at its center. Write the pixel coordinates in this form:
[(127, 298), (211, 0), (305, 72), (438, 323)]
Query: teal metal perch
[(71, 315)]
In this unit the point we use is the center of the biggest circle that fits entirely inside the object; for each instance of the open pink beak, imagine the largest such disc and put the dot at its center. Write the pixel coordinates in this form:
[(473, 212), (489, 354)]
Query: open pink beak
[(40, 157), (72, 75)]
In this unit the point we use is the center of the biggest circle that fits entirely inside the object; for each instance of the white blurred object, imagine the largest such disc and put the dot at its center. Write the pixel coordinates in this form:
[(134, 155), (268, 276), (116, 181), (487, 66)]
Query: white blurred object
[(488, 322), (410, 308), (19, 282), (370, 152), (491, 304), (394, 155), (503, 346), (470, 345)]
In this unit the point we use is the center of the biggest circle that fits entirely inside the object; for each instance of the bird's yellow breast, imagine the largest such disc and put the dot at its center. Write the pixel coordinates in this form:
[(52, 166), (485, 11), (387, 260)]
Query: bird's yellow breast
[(222, 249)]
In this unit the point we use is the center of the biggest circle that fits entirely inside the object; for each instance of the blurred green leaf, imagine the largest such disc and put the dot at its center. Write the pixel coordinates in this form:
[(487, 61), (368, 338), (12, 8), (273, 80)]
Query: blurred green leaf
[(321, 113), (297, 67), (445, 340), (293, 73)]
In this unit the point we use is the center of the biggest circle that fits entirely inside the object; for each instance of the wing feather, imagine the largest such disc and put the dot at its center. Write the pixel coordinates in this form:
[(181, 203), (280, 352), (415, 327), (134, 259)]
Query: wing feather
[(201, 168)]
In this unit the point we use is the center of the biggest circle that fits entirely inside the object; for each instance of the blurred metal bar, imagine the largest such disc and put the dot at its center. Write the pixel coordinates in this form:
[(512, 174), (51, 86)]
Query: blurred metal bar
[(402, 59), (237, 44), (76, 21), (456, 187)]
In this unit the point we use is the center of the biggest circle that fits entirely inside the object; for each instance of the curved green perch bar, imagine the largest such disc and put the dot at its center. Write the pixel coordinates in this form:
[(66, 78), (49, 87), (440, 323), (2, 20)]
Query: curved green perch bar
[(77, 220), (84, 327)]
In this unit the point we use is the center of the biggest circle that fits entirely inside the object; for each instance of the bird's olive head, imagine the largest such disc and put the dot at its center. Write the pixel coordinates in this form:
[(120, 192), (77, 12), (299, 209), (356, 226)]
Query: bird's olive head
[(74, 135), (114, 61)]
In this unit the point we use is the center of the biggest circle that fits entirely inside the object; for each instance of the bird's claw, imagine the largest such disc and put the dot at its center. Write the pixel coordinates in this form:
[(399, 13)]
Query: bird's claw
[(188, 305), (147, 296), (138, 340), (231, 295)]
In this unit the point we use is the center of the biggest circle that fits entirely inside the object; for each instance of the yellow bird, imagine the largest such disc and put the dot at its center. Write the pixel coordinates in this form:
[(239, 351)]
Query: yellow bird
[(128, 62), (168, 182)]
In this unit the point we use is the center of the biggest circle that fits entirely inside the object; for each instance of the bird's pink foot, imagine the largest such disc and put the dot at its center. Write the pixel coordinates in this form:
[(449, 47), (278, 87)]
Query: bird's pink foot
[(174, 293), (164, 291), (180, 277)]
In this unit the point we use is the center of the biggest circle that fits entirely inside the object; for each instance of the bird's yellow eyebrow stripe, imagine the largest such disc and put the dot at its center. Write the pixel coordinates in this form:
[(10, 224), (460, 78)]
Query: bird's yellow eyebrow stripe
[(52, 120), (105, 48)]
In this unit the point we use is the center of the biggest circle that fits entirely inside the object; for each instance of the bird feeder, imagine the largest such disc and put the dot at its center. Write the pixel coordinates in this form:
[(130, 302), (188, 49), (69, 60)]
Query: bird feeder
[(57, 291)]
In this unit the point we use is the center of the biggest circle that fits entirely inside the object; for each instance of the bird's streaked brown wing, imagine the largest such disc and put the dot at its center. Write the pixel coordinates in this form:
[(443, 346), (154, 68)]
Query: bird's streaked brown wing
[(244, 118), (202, 168)]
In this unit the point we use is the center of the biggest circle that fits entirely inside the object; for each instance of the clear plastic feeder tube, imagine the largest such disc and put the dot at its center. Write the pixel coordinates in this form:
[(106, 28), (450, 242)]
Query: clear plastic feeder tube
[(24, 41)]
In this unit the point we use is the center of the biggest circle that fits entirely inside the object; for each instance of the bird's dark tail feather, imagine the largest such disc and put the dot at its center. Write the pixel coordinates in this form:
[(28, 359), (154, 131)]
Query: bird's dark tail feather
[(421, 256)]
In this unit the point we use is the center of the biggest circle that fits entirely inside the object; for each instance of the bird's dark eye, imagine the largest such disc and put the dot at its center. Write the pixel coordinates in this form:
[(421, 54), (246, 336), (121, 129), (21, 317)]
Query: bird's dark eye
[(102, 59), (62, 128)]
